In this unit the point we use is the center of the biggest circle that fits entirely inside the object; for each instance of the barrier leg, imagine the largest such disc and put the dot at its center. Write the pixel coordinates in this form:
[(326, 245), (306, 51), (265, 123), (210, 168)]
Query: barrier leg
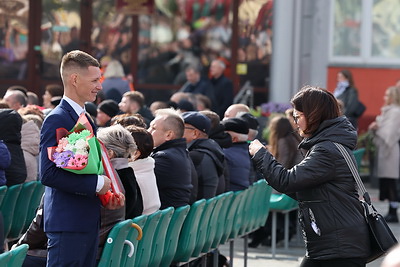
[(286, 243), (273, 234), (231, 247), (246, 241), (204, 260), (216, 258)]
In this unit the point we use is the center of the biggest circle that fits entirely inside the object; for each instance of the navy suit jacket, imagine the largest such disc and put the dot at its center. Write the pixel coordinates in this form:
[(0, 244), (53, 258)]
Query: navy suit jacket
[(70, 201), (223, 89)]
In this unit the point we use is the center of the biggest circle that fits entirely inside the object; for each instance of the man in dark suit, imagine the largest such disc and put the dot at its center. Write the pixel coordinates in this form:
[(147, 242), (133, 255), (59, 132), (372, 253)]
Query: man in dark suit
[(223, 87), (196, 84), (71, 205)]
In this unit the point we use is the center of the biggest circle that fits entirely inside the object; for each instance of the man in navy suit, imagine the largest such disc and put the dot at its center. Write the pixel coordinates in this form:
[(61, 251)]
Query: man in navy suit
[(223, 87), (71, 204)]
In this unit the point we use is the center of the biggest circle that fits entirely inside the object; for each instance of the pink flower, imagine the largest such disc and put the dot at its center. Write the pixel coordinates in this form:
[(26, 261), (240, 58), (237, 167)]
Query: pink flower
[(72, 162), (61, 144), (81, 160)]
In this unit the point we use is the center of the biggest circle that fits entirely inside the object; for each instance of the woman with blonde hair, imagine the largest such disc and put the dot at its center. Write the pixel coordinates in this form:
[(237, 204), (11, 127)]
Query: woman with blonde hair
[(386, 128), (115, 84)]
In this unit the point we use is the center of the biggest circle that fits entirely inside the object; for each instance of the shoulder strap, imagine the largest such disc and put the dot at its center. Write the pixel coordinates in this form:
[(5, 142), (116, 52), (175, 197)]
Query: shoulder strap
[(354, 171)]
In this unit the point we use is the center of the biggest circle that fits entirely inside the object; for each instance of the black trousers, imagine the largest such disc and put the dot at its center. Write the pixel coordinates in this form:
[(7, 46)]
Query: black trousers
[(333, 263)]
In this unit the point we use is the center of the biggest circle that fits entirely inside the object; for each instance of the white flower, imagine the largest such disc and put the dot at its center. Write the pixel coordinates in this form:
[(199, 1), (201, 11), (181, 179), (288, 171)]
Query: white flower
[(81, 144), (69, 147), (82, 152), (80, 147)]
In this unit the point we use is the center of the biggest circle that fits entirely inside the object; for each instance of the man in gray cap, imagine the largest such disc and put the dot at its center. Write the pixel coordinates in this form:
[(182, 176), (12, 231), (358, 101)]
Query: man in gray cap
[(206, 154)]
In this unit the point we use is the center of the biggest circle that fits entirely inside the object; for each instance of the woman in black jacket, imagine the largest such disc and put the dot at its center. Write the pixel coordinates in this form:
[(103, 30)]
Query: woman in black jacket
[(348, 94), (11, 124), (330, 213)]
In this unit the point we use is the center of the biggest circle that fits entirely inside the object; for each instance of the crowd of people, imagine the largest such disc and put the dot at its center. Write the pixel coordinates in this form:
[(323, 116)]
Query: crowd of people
[(165, 156), (174, 153)]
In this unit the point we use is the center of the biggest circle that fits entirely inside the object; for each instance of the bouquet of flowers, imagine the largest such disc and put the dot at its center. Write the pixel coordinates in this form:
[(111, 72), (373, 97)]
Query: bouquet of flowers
[(72, 150), (78, 150)]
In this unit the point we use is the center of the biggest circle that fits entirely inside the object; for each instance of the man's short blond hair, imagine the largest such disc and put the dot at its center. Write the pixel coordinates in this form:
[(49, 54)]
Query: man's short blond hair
[(135, 96), (172, 121), (76, 60)]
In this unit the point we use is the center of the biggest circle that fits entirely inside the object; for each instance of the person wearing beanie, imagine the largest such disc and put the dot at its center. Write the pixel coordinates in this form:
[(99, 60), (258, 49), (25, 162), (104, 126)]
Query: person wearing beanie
[(236, 126), (185, 105), (91, 108), (237, 156), (105, 112), (206, 154), (252, 122)]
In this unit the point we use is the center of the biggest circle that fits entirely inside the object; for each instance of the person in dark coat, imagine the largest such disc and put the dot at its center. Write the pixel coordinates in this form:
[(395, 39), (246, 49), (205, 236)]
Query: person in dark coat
[(224, 140), (172, 161), (237, 156), (206, 154), (217, 130), (11, 124), (196, 84), (223, 87), (348, 94), (330, 213), (5, 161), (133, 102)]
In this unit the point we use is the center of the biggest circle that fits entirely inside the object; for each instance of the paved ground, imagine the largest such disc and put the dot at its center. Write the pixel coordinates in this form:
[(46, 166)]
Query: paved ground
[(261, 256)]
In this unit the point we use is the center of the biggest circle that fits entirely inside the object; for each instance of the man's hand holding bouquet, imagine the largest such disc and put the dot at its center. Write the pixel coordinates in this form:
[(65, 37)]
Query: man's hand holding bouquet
[(80, 152)]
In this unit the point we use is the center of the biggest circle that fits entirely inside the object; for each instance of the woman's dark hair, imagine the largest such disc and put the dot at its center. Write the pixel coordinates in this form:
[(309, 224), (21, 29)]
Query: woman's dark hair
[(129, 119), (347, 74), (143, 140), (280, 127), (55, 90), (317, 105)]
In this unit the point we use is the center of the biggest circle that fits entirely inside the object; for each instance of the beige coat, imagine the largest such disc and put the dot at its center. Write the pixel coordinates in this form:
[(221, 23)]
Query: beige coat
[(386, 139), (30, 141)]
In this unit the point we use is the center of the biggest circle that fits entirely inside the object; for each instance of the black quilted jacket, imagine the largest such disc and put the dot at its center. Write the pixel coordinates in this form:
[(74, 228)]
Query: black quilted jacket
[(330, 212)]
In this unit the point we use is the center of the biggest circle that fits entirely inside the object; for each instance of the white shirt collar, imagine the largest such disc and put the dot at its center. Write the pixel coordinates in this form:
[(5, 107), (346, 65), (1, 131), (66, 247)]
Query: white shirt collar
[(77, 108)]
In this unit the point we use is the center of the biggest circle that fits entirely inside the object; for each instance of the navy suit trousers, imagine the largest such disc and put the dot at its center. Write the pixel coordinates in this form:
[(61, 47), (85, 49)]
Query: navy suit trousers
[(72, 248)]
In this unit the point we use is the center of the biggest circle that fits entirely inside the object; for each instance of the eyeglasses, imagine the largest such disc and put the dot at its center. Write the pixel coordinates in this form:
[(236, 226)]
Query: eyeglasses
[(296, 118)]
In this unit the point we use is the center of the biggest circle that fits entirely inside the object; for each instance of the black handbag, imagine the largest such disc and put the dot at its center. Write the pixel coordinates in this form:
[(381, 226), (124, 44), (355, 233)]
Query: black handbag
[(381, 237), (360, 108)]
